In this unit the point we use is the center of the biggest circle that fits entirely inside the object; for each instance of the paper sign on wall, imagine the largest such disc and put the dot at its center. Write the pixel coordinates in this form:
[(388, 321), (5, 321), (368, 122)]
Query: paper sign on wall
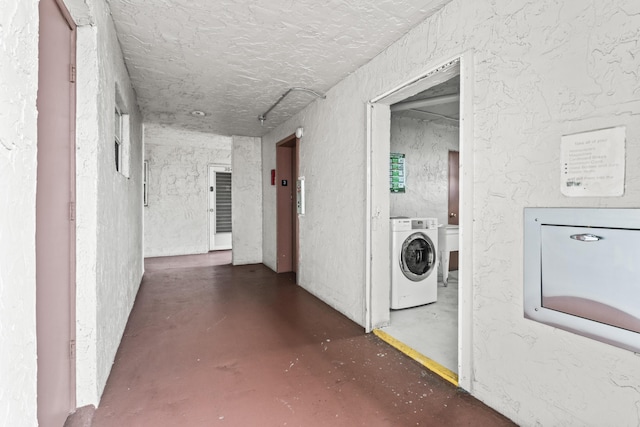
[(397, 173), (593, 163)]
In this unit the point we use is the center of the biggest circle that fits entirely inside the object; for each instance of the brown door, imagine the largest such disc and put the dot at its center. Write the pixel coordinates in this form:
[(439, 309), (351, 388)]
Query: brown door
[(454, 200), (287, 218), (55, 205)]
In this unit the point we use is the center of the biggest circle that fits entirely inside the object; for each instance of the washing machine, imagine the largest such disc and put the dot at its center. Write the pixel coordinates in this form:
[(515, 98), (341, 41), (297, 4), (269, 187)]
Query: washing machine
[(414, 249)]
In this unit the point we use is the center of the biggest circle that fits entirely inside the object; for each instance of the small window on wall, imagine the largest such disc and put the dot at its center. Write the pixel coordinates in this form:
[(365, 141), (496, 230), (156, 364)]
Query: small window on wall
[(118, 139), (121, 137), (145, 183)]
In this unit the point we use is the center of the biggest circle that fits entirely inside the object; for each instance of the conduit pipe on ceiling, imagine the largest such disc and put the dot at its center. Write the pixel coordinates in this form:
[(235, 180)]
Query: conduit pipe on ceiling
[(262, 117), (440, 116), (429, 102)]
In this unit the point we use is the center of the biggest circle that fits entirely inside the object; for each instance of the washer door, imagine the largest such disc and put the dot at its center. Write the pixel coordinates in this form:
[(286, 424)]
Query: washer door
[(417, 257)]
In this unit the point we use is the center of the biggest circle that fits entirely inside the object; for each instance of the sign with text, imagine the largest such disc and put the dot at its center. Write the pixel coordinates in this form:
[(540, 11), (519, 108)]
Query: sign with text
[(397, 173), (593, 163)]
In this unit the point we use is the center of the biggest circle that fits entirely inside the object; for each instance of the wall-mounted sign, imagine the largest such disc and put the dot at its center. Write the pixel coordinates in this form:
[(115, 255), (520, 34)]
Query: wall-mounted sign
[(397, 173), (593, 163)]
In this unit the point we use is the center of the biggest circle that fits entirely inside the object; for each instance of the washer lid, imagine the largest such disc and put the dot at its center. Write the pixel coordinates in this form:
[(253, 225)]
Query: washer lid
[(417, 257)]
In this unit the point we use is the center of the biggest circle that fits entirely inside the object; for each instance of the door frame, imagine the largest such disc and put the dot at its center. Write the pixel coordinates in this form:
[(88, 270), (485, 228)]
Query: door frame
[(291, 142), (71, 172), (377, 262)]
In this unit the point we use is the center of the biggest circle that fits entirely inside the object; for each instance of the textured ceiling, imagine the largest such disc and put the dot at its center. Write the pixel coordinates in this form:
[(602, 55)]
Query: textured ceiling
[(233, 59)]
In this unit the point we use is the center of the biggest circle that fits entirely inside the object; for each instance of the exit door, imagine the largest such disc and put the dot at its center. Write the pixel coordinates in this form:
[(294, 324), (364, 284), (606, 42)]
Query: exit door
[(219, 208)]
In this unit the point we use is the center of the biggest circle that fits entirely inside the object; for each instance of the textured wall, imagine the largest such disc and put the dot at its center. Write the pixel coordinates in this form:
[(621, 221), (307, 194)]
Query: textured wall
[(176, 222), (247, 200), (426, 145), (18, 138), (331, 264), (109, 206), (541, 69)]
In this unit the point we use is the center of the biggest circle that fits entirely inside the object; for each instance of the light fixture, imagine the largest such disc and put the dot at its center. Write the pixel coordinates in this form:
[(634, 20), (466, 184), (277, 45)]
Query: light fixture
[(198, 113)]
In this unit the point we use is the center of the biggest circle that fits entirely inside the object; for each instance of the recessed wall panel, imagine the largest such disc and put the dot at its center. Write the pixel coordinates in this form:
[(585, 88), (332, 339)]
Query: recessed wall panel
[(582, 272)]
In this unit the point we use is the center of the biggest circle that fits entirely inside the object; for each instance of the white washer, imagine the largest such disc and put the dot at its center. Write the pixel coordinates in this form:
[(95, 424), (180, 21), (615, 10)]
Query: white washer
[(414, 249)]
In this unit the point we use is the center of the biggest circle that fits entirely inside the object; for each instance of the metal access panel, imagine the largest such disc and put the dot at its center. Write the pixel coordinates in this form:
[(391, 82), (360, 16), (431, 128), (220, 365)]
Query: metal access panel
[(582, 272)]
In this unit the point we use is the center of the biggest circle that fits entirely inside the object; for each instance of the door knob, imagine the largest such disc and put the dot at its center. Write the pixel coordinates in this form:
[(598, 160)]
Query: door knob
[(452, 215)]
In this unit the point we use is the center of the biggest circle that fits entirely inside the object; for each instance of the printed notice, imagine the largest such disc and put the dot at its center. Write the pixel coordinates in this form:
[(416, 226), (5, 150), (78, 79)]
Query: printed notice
[(593, 163), (397, 173)]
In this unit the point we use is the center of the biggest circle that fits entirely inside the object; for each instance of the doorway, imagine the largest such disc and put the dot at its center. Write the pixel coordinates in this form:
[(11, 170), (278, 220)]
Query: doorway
[(425, 132), (378, 257), (453, 203), (287, 172), (219, 190), (55, 215)]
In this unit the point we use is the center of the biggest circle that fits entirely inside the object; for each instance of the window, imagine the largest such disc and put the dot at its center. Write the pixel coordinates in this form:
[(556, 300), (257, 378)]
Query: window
[(121, 135), (118, 139), (145, 183)]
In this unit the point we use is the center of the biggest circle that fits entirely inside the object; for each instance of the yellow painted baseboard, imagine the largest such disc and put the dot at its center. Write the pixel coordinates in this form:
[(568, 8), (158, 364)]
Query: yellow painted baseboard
[(445, 373)]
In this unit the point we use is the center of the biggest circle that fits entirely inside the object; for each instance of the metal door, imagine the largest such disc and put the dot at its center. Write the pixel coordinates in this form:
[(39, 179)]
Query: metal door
[(55, 215)]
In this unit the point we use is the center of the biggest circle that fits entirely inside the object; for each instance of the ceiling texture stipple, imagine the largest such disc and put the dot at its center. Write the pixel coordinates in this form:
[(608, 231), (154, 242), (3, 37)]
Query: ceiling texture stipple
[(233, 59)]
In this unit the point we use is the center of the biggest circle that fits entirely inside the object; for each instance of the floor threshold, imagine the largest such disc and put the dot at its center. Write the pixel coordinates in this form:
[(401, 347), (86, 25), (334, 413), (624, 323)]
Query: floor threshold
[(430, 364)]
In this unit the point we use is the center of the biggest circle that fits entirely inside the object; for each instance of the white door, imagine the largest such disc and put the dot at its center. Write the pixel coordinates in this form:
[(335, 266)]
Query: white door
[(219, 207)]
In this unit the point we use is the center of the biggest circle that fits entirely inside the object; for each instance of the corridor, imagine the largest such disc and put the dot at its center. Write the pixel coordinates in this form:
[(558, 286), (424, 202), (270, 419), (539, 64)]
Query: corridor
[(211, 344)]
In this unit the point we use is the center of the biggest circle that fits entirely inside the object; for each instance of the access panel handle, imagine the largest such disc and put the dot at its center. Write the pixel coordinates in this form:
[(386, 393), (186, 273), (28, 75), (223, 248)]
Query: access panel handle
[(586, 237)]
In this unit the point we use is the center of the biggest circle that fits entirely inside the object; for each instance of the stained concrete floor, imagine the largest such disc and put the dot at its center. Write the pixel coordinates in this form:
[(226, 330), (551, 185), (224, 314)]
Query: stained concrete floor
[(432, 329), (209, 344)]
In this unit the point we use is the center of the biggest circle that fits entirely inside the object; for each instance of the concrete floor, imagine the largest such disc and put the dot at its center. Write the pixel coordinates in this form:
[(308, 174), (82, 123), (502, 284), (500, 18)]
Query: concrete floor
[(432, 329), (210, 344)]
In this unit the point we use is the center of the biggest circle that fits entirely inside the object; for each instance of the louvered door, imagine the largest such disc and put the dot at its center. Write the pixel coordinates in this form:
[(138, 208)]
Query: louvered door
[(219, 207)]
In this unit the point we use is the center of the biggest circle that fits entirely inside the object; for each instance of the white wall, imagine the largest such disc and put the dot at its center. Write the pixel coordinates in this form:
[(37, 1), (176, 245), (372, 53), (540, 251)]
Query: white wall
[(176, 222), (109, 206), (426, 145), (542, 69), (18, 139), (247, 200), (331, 262)]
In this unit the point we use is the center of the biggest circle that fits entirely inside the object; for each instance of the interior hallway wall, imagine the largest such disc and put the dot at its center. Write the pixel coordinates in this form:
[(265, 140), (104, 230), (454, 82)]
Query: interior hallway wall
[(176, 222), (541, 70), (109, 203), (247, 200), (426, 145), (331, 233), (18, 154)]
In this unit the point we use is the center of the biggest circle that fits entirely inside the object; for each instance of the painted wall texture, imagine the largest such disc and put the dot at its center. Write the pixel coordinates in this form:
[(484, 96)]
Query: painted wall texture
[(109, 204), (426, 145), (541, 69), (18, 151), (176, 222), (332, 235), (246, 188)]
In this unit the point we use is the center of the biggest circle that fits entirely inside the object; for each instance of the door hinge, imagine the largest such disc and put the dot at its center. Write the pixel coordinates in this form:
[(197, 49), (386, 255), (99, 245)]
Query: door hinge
[(72, 74), (72, 211), (72, 349)]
